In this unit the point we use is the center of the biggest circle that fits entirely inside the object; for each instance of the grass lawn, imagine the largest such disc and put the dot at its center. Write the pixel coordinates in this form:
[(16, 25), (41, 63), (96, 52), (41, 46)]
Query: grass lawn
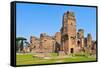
[(27, 59)]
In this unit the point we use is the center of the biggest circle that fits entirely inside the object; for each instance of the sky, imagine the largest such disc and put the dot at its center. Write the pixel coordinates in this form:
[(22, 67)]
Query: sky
[(34, 19)]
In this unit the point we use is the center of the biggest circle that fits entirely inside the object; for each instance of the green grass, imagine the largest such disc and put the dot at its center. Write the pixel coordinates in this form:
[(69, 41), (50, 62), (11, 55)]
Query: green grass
[(53, 54), (26, 59)]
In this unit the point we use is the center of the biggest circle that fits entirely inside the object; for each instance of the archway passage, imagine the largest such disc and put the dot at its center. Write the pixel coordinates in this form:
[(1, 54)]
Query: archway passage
[(72, 50)]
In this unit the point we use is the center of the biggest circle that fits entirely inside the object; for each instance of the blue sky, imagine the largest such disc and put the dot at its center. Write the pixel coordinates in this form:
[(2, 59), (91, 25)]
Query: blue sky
[(34, 19)]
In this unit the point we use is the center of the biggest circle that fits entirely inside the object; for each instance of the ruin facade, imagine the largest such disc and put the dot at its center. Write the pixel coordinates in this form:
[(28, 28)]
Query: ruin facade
[(67, 41)]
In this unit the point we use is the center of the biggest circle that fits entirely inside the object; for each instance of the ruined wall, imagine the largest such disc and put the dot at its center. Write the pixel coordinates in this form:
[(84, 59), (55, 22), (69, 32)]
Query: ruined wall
[(57, 41), (89, 40), (48, 43), (34, 44), (80, 38)]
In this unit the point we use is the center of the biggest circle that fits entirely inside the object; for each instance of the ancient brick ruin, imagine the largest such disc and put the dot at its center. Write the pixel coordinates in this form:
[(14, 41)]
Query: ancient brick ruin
[(67, 41)]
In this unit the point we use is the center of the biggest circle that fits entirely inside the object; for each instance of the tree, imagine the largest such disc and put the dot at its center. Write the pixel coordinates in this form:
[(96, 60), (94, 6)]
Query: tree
[(19, 43)]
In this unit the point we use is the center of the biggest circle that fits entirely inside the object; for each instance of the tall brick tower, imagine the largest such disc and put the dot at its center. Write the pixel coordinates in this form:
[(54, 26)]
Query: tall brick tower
[(68, 33)]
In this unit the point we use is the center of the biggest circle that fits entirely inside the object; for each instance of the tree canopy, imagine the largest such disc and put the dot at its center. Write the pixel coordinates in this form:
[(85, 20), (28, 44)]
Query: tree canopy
[(20, 38)]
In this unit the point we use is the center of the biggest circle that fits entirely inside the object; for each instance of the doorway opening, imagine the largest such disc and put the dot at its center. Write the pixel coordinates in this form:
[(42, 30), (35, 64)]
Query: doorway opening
[(71, 50)]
